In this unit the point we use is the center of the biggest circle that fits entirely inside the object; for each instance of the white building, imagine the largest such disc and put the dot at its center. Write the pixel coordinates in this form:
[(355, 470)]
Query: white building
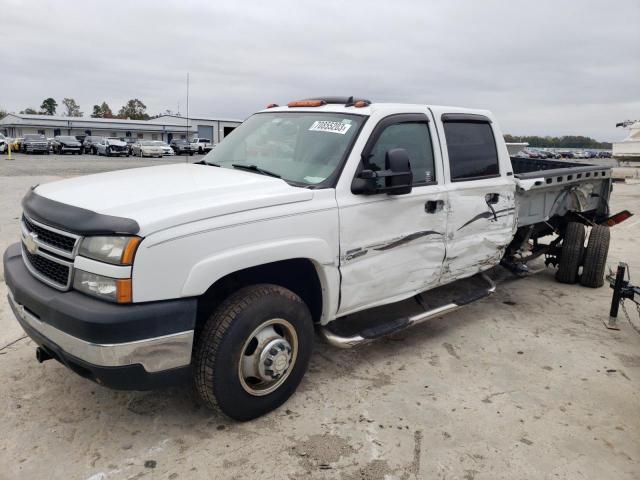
[(164, 128), (211, 128), (630, 146)]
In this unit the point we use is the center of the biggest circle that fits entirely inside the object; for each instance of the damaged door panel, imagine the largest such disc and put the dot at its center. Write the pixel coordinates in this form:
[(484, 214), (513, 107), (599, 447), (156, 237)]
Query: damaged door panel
[(390, 247), (393, 246)]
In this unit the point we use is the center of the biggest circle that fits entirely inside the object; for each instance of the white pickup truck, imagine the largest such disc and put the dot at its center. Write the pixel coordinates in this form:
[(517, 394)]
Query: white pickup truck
[(333, 213), (201, 145)]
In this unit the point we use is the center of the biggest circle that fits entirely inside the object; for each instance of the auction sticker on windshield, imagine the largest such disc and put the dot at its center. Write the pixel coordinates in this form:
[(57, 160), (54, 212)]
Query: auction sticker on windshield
[(332, 127)]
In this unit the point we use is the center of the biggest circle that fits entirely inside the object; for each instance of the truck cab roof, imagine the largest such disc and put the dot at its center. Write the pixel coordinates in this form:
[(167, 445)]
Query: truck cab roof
[(378, 107)]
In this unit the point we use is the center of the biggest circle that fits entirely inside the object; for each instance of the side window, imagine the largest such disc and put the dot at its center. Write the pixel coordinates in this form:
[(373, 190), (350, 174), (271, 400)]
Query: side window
[(414, 137), (472, 150)]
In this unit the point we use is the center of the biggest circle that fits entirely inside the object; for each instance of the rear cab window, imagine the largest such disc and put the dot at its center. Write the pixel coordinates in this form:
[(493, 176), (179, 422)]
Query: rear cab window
[(471, 145)]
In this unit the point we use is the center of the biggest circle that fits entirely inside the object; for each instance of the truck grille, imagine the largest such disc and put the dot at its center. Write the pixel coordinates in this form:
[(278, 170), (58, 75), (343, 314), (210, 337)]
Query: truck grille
[(50, 237), (53, 271), (48, 253)]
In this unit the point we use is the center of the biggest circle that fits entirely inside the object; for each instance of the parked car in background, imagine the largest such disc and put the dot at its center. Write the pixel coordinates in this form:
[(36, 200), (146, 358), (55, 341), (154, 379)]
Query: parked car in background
[(129, 141), (66, 144), (112, 146), (146, 148), (35, 143), (604, 154), (90, 143), (530, 153), (201, 145), (167, 151), (566, 154), (181, 146), (4, 143)]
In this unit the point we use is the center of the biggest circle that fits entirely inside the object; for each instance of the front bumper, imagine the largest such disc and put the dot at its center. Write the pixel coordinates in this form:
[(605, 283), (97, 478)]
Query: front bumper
[(132, 347), (36, 148)]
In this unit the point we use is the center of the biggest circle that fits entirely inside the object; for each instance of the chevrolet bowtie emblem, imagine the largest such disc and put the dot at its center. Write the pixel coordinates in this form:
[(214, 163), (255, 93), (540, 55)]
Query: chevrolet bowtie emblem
[(30, 243)]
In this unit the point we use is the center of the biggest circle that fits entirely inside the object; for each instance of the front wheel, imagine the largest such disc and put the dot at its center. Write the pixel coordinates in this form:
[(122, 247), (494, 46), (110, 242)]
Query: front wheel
[(253, 351)]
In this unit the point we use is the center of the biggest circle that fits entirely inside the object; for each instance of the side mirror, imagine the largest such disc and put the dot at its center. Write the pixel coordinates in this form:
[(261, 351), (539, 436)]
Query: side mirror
[(397, 162), (398, 178)]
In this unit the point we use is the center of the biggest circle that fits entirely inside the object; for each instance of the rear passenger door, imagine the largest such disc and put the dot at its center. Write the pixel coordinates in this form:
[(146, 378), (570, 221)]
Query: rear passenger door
[(481, 195)]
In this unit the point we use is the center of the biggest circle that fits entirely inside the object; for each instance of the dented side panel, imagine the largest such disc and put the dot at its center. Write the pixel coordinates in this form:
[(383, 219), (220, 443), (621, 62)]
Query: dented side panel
[(390, 247), (478, 231)]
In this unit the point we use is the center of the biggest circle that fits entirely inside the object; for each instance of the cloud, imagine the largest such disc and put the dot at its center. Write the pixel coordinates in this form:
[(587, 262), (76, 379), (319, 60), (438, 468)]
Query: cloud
[(545, 67)]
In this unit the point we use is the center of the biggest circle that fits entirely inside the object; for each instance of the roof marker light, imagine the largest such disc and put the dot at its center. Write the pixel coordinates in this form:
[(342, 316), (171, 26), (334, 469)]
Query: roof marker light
[(272, 105), (307, 103)]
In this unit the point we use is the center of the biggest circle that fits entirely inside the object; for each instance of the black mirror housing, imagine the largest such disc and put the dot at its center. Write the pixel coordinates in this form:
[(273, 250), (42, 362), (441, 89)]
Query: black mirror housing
[(397, 162), (398, 178)]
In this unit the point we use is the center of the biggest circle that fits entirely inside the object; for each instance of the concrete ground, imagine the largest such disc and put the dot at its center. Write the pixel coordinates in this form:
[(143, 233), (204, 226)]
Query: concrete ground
[(526, 384)]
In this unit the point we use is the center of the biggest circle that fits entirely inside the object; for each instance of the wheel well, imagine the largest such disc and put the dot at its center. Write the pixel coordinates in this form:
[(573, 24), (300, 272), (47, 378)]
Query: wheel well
[(298, 275)]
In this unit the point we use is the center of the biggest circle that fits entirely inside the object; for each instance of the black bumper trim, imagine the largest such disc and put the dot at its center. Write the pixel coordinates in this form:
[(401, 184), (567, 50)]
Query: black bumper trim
[(91, 319)]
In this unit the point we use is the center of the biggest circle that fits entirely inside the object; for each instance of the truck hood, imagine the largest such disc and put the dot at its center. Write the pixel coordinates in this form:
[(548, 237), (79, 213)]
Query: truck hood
[(169, 195)]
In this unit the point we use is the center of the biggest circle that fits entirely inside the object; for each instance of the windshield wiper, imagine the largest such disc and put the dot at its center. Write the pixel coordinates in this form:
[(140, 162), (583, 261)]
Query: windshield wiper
[(255, 168)]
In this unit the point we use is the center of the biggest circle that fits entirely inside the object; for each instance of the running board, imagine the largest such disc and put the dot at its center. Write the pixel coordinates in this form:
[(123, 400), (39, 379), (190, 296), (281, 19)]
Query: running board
[(398, 324)]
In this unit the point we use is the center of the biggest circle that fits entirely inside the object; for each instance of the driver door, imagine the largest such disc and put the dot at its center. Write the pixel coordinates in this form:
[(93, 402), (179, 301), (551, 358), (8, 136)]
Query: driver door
[(393, 246)]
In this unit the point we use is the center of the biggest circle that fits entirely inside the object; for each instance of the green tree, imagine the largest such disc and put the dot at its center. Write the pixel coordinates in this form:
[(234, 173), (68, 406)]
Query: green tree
[(134, 109), (73, 109), (29, 111), (102, 111), (3, 113), (48, 106)]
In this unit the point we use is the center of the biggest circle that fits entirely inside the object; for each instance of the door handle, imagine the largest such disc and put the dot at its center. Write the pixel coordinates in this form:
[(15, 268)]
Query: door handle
[(492, 198), (433, 206)]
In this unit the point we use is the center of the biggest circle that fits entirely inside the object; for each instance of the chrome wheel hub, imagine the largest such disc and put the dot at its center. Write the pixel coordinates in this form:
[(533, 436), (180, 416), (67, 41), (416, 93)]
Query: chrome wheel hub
[(274, 359), (268, 356)]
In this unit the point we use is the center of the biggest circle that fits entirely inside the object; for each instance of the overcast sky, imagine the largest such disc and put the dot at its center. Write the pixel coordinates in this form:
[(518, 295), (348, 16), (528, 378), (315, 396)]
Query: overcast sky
[(543, 67)]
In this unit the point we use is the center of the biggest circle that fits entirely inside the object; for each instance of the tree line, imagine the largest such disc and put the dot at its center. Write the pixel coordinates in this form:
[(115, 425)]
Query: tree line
[(566, 141), (134, 109)]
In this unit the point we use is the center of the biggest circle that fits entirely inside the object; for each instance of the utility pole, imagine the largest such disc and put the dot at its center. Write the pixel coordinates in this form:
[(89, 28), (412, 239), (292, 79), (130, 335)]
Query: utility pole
[(188, 140)]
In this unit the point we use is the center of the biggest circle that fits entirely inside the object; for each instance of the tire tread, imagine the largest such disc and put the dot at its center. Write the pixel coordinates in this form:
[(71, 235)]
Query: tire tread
[(572, 253), (595, 258), (215, 329)]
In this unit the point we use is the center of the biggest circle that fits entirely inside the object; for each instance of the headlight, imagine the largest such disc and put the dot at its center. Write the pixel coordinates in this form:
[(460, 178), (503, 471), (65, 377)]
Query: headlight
[(116, 250), (106, 288)]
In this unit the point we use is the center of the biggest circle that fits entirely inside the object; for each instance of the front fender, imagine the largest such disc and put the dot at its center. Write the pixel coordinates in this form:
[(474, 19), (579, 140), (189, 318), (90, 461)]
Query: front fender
[(211, 269)]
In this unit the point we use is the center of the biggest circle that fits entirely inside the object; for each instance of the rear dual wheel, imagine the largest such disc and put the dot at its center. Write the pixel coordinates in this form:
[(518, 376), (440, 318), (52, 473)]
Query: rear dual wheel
[(572, 253), (253, 351), (593, 259)]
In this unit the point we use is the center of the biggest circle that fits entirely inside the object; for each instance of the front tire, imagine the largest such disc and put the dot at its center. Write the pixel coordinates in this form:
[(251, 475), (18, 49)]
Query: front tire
[(572, 253), (595, 257), (253, 351)]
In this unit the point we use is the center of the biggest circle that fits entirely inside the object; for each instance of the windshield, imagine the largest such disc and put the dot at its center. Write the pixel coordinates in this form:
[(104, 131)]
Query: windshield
[(34, 136), (159, 143), (68, 139), (302, 147)]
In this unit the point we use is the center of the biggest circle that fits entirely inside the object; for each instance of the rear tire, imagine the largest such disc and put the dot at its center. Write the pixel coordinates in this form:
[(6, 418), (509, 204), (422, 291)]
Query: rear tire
[(257, 328), (572, 253), (595, 257)]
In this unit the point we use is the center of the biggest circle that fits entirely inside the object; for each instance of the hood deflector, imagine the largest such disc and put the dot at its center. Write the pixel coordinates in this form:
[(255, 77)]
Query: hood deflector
[(75, 219)]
